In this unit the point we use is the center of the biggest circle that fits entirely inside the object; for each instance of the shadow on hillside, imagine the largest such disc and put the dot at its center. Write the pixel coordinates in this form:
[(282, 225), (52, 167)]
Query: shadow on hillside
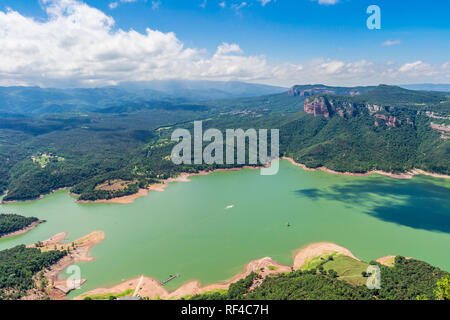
[(416, 203)]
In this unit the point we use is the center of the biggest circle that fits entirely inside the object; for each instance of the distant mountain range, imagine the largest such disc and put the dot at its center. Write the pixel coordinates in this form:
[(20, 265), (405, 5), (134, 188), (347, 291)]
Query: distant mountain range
[(202, 90), (427, 87), (142, 95), (35, 100)]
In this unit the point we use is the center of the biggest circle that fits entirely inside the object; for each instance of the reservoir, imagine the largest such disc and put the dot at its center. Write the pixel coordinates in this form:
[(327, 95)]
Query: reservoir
[(211, 227)]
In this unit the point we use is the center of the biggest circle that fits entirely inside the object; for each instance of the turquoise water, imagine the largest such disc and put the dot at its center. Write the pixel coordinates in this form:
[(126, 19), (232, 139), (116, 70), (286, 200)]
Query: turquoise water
[(188, 230)]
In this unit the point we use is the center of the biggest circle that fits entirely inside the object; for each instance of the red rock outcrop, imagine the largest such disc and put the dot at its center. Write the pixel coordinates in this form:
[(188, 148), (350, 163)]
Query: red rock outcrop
[(373, 108), (389, 120), (318, 106)]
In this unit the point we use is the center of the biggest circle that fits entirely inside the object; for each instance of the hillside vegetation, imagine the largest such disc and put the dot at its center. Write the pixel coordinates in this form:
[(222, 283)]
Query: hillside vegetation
[(345, 129), (12, 222), (408, 279), (19, 267)]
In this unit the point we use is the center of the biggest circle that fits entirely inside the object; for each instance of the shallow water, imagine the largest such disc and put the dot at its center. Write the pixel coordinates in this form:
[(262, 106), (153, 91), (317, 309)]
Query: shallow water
[(191, 228)]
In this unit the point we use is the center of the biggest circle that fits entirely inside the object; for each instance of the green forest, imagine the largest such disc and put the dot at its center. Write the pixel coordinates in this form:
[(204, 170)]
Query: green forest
[(12, 222), (19, 266), (408, 279)]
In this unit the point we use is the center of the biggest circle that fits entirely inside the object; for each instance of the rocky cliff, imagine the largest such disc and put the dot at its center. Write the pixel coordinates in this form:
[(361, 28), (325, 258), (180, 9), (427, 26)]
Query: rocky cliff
[(327, 107), (319, 106)]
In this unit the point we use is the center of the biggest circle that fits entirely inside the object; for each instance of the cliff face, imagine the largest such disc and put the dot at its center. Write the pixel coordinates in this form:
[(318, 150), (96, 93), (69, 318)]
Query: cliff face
[(389, 120), (327, 107), (318, 106)]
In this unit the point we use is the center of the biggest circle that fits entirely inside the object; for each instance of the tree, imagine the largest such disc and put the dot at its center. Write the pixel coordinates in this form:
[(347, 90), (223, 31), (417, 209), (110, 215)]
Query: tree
[(443, 289), (332, 273)]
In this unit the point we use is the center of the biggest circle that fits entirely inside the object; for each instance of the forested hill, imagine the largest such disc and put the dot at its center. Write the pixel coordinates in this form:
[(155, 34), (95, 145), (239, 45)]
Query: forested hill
[(115, 149), (12, 222), (407, 279), (386, 128)]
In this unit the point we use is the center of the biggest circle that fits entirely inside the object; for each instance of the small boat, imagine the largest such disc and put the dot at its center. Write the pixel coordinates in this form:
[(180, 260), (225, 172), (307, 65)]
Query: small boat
[(229, 207), (288, 225)]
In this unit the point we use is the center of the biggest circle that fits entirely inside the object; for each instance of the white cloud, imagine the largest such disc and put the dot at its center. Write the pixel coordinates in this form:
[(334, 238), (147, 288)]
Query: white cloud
[(264, 2), (238, 7), (390, 43), (332, 66), (226, 48), (411, 66), (113, 5), (156, 4), (222, 4), (78, 45), (327, 2)]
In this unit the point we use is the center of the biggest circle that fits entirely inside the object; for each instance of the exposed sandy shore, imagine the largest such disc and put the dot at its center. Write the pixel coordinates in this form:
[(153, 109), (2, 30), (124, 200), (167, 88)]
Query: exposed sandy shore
[(151, 288), (24, 230), (38, 198), (406, 175), (386, 260), (316, 249), (79, 252), (120, 200)]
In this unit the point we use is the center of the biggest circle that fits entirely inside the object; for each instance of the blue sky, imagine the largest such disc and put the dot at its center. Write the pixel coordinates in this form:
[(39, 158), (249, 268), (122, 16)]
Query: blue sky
[(303, 34)]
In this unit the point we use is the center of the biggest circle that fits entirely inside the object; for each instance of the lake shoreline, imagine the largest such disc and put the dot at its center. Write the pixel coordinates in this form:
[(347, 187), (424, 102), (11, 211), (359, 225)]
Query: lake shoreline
[(184, 177), (160, 187), (405, 175), (79, 251), (24, 230), (150, 287), (34, 199)]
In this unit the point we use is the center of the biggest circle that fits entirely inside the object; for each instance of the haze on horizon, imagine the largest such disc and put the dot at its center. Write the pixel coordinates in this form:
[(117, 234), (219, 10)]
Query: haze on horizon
[(94, 43)]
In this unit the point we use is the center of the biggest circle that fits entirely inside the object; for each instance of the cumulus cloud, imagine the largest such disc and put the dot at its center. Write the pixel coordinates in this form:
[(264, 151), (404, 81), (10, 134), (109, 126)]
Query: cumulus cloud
[(410, 66), (78, 45)]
